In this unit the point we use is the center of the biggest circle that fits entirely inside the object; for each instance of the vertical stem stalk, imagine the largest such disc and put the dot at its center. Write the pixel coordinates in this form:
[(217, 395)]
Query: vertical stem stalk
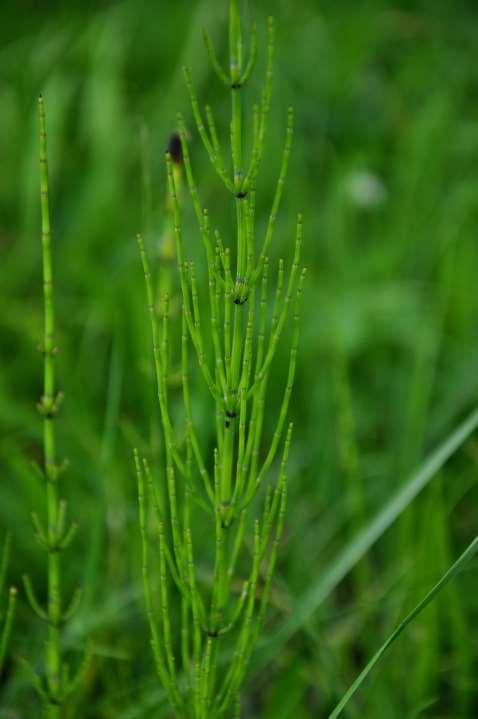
[(235, 51), (49, 399)]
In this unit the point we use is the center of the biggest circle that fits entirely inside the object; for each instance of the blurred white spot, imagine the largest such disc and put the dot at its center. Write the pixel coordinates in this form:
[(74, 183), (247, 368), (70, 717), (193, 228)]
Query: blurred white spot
[(365, 189)]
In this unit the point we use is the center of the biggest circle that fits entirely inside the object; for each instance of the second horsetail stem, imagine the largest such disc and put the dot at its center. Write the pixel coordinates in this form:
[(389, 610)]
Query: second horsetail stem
[(226, 322)]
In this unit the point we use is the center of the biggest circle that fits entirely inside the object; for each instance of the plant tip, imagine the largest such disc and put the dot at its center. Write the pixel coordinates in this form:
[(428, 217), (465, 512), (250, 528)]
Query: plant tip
[(175, 149)]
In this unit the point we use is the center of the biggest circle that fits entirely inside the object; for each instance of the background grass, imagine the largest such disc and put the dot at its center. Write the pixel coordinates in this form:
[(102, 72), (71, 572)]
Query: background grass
[(385, 170)]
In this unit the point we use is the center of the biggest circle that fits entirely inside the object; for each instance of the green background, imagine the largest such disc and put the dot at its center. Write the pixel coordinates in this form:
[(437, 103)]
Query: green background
[(385, 170)]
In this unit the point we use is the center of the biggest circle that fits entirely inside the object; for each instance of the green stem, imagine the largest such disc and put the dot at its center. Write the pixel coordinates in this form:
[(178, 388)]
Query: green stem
[(235, 66), (53, 658), (7, 625), (242, 353)]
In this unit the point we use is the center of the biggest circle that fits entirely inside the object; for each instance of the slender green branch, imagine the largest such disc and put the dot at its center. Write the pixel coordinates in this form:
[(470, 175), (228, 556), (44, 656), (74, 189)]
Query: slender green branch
[(208, 144), (252, 57), (155, 635), (278, 195), (7, 625), (53, 539), (222, 75), (8, 616)]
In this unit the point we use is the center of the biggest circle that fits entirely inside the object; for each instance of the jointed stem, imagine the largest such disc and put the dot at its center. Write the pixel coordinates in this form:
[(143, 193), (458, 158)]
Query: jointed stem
[(242, 351), (55, 537), (54, 608), (53, 644)]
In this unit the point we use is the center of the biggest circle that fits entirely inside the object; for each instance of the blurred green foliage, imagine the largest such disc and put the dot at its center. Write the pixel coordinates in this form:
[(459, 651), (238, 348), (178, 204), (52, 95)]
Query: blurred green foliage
[(385, 170)]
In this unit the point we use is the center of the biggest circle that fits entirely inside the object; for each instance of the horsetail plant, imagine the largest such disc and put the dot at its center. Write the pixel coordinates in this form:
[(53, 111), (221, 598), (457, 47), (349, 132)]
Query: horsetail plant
[(56, 536), (6, 617), (202, 666)]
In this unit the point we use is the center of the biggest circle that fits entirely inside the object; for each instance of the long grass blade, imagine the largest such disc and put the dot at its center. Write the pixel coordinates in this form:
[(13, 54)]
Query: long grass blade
[(366, 538), (456, 567)]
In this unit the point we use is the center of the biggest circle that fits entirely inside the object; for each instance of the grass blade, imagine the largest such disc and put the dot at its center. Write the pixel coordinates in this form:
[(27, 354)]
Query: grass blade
[(366, 538), (469, 552)]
